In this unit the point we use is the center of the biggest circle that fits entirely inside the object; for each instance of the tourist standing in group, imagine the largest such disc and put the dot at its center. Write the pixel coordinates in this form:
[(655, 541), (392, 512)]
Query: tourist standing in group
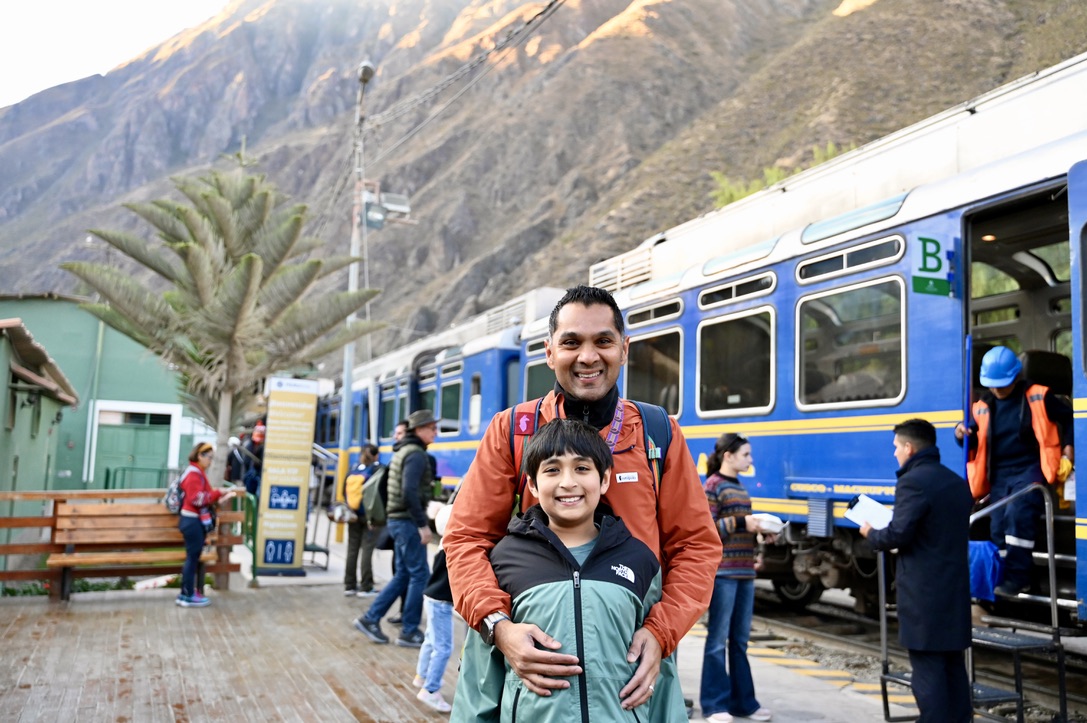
[(358, 573), (410, 489), (438, 642), (196, 520), (727, 687), (586, 348)]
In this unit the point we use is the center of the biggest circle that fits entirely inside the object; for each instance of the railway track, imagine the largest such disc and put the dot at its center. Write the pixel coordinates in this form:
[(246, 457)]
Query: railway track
[(835, 636)]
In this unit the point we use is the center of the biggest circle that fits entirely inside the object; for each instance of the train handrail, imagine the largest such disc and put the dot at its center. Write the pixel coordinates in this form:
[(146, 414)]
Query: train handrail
[(1047, 497)]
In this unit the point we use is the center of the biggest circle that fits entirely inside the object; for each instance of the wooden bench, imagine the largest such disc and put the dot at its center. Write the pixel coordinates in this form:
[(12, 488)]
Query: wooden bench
[(123, 539), (114, 533)]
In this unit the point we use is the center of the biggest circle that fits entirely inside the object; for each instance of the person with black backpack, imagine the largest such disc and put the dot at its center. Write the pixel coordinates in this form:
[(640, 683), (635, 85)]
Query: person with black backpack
[(358, 576)]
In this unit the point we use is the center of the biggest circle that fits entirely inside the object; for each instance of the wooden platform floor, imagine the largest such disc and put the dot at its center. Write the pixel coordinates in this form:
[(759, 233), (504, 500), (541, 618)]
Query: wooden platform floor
[(283, 653)]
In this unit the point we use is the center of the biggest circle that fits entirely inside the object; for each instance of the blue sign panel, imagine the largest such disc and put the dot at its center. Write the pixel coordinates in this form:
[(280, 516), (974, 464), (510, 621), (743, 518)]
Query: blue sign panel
[(278, 552), (283, 498)]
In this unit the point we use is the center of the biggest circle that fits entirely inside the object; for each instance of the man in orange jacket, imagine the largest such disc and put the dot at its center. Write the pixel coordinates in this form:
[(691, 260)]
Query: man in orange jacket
[(586, 348), (1020, 433)]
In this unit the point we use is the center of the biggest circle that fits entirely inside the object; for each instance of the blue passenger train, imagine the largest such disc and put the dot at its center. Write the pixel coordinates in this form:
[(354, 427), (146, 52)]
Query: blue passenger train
[(815, 315)]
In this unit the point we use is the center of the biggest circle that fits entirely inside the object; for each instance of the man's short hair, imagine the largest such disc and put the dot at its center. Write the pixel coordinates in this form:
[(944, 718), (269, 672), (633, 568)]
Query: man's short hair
[(371, 449), (566, 436), (918, 432), (586, 296)]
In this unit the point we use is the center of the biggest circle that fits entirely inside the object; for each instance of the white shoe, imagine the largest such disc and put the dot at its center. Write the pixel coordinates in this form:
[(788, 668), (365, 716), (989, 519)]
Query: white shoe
[(418, 681), (761, 714), (722, 717), (434, 700)]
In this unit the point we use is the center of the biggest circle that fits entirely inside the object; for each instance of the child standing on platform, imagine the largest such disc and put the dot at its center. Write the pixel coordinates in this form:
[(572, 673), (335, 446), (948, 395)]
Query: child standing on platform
[(438, 643)]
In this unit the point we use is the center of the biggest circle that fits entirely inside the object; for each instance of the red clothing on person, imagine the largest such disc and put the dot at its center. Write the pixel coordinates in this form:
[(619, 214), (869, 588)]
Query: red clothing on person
[(198, 491)]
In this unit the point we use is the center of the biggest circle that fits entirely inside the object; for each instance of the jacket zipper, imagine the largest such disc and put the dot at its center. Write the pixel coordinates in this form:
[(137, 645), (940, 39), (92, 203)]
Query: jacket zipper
[(516, 698), (578, 622)]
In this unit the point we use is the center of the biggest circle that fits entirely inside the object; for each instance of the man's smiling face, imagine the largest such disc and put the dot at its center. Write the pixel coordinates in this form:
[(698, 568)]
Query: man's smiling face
[(586, 351)]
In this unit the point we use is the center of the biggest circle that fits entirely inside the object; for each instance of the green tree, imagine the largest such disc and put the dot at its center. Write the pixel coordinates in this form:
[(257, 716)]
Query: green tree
[(232, 297)]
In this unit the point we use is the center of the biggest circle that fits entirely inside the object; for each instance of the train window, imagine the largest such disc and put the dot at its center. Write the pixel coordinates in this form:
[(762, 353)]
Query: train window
[(388, 417), (358, 435), (450, 409), (851, 345), (539, 379), (475, 397), (535, 347), (450, 369), (426, 398), (736, 363), (655, 313), (654, 368), (746, 288), (996, 316), (513, 367), (428, 376), (1060, 306), (334, 426), (853, 219), (986, 280), (1057, 258), (865, 256), (1062, 342)]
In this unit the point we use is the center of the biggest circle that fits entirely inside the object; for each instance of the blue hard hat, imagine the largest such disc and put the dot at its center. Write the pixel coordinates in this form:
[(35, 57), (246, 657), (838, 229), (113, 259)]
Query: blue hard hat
[(999, 367)]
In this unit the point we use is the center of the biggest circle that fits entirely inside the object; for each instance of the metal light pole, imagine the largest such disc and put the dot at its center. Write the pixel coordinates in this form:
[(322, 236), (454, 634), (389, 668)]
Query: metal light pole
[(366, 72)]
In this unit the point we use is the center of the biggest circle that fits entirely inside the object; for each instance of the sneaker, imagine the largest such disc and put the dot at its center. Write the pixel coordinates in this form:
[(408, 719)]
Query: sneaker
[(722, 717), (415, 640), (434, 700), (418, 681), (372, 631), (349, 591), (368, 593), (397, 619), (194, 601), (761, 714)]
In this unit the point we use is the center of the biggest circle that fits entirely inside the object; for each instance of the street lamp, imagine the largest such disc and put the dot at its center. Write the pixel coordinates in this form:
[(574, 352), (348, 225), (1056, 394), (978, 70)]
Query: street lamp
[(365, 74)]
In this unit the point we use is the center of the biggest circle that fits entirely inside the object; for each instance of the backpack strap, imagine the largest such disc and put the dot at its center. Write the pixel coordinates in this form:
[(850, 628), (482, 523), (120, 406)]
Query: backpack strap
[(658, 436), (524, 421)]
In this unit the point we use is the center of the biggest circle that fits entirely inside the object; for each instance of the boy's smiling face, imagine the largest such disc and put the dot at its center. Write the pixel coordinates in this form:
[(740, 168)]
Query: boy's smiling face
[(569, 488)]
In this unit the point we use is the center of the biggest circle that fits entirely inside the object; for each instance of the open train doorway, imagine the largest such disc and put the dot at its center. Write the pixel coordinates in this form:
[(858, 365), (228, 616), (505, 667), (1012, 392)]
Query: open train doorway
[(1020, 297)]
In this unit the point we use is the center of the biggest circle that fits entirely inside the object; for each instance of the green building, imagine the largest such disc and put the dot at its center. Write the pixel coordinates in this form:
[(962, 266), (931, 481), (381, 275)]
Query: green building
[(129, 424)]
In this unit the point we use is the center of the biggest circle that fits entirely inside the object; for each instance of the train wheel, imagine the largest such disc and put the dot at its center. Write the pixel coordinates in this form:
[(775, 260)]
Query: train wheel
[(797, 595)]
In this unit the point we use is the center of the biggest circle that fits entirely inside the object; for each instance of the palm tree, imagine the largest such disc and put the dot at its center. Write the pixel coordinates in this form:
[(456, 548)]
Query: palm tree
[(232, 303)]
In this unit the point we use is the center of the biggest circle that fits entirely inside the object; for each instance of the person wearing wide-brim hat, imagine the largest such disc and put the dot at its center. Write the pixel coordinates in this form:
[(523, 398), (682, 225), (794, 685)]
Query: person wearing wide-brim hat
[(410, 478)]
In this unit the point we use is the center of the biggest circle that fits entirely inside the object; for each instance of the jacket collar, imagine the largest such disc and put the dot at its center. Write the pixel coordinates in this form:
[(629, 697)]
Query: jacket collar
[(598, 414), (928, 455)]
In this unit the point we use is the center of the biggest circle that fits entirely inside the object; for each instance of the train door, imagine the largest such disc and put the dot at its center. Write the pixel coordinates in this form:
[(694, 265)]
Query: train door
[(1077, 234), (1020, 297)]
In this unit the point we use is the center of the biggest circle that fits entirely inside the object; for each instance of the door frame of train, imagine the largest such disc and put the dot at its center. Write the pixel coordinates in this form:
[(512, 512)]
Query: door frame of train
[(1077, 237)]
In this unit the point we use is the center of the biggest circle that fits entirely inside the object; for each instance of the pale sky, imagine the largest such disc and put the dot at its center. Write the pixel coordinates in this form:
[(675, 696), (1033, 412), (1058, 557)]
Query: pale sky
[(49, 42)]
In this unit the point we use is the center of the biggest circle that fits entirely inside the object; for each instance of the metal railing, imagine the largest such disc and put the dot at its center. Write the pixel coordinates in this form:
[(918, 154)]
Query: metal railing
[(123, 478)]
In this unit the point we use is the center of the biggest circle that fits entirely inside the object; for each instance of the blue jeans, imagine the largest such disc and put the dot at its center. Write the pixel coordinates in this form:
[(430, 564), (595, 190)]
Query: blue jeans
[(438, 645), (726, 675), (412, 572), (192, 529)]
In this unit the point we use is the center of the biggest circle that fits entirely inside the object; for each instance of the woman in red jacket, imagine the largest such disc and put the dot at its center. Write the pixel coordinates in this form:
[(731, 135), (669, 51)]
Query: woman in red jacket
[(196, 522)]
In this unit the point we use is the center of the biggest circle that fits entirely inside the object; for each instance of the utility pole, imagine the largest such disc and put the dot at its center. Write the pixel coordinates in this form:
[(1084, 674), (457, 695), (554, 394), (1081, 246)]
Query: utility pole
[(365, 73)]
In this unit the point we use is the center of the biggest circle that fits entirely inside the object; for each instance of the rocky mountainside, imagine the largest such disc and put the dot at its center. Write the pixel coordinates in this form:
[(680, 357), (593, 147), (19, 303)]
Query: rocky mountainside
[(587, 125)]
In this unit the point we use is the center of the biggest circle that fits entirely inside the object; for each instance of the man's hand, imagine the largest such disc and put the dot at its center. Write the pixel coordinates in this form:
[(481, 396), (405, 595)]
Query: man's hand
[(961, 430), (865, 529), (646, 649), (541, 670), (424, 534)]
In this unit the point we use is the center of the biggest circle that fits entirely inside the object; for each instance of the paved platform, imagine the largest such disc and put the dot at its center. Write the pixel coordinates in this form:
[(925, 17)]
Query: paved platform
[(284, 651)]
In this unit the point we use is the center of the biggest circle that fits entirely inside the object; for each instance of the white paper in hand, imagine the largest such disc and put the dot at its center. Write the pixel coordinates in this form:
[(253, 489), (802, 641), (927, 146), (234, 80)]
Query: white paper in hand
[(865, 509)]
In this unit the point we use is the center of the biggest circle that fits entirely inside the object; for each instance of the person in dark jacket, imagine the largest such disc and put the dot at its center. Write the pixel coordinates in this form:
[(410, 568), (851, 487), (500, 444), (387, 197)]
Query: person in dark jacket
[(930, 528), (410, 488)]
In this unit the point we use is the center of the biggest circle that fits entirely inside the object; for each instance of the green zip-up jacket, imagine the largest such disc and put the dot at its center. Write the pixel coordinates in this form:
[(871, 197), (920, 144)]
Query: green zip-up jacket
[(593, 609)]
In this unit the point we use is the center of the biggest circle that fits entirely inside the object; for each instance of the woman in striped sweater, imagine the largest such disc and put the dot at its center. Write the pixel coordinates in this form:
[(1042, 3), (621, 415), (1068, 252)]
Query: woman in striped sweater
[(727, 689)]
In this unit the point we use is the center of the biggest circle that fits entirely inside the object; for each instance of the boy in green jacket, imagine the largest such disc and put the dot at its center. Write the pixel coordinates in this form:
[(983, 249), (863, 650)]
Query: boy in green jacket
[(573, 569)]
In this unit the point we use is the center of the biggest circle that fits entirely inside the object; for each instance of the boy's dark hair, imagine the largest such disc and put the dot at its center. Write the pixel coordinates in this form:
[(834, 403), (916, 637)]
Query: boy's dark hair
[(566, 436), (586, 296), (371, 448), (918, 432)]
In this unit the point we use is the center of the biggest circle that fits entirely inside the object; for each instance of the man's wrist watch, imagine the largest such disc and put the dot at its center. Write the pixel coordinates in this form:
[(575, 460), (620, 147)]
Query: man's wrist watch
[(486, 630)]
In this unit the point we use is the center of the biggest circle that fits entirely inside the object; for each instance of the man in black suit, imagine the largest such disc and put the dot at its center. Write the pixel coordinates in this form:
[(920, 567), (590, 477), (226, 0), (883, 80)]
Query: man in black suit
[(930, 529)]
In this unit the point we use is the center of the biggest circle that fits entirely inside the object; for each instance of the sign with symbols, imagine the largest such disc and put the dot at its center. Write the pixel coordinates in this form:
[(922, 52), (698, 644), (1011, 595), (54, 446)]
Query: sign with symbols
[(931, 267), (284, 486)]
